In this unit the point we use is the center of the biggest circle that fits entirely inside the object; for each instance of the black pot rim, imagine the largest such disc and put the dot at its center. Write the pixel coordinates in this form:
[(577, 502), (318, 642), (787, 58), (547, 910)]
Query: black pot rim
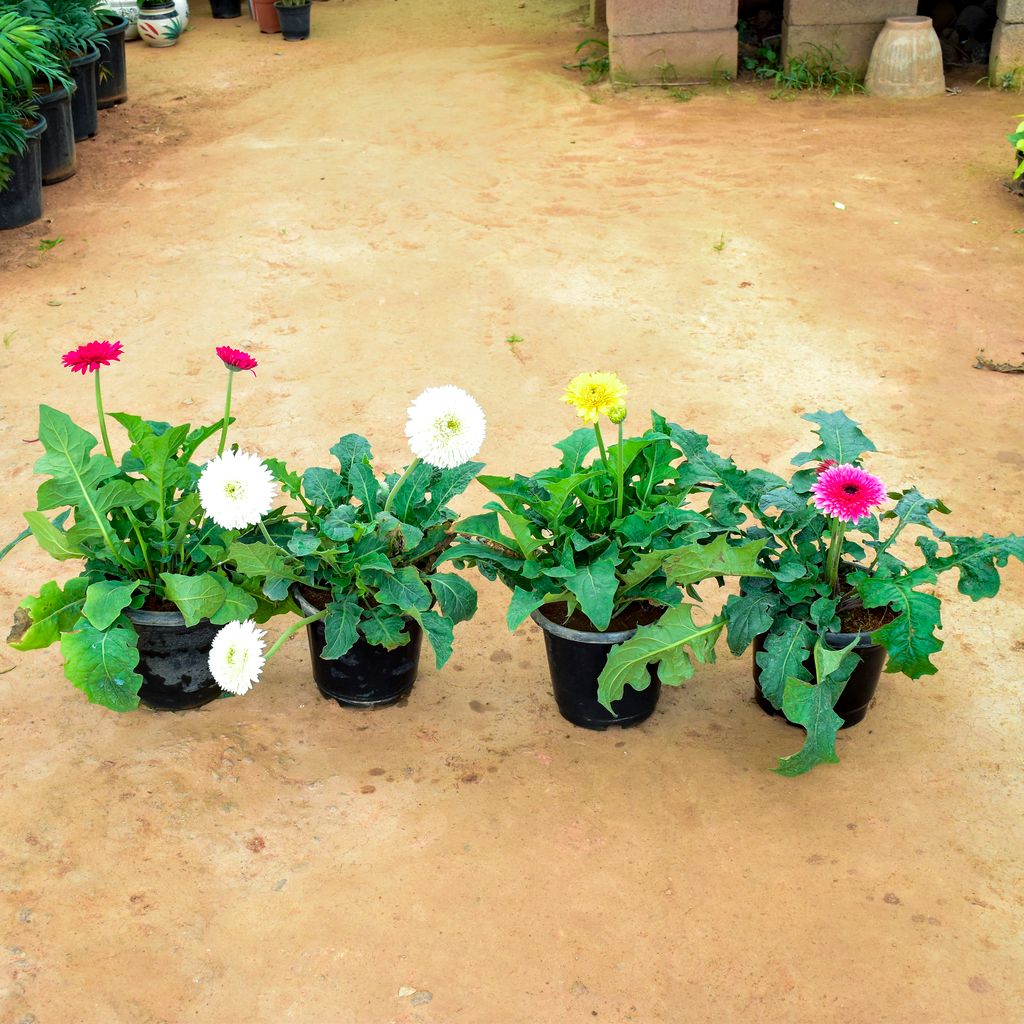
[(56, 96), (118, 26), (579, 635), (297, 7), (144, 617), (38, 128), (86, 58)]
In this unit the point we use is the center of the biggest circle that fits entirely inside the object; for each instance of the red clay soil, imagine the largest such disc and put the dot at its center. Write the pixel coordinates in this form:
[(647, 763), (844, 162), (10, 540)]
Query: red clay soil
[(374, 211)]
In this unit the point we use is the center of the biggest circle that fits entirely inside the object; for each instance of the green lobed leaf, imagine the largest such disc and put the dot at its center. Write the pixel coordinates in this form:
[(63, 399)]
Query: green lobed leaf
[(364, 486), (405, 590), (575, 449), (51, 538), (259, 559), (196, 597), (671, 643), (696, 562), (322, 487), (238, 605), (749, 615), (839, 438), (101, 663), (411, 492), (440, 634), (595, 586), (106, 599), (978, 560), (350, 449), (455, 595), (340, 626), (523, 604), (812, 706), (786, 649), (448, 484), (338, 524), (384, 628), (40, 620), (290, 481)]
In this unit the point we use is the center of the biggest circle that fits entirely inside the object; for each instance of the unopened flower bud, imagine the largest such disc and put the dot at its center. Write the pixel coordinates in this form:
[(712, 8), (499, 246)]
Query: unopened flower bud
[(617, 413)]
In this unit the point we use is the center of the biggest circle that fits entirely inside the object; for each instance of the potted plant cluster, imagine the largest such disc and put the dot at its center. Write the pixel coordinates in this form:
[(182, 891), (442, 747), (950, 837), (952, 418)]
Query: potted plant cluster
[(360, 557), (25, 61), (294, 18), (838, 603), (159, 541), (1016, 139), (605, 551)]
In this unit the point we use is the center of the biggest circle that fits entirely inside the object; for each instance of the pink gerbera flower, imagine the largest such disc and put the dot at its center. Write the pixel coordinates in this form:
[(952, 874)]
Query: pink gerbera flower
[(91, 356), (847, 492), (235, 359)]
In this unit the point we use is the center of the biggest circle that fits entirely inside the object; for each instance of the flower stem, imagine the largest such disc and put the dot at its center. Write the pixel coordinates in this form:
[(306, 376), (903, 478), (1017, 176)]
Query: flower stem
[(270, 540), (103, 419), (834, 556), (294, 628), (401, 480), (227, 414), (621, 475), (604, 452)]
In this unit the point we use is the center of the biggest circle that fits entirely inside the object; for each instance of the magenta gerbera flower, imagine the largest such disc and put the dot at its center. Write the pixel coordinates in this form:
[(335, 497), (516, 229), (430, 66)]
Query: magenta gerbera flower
[(235, 359), (847, 492), (91, 356)]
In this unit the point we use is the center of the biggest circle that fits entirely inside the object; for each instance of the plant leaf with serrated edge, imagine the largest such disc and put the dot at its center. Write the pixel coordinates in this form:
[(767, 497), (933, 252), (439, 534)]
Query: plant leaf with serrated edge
[(812, 706), (350, 449), (523, 604), (39, 621), (439, 633), (101, 663), (575, 449), (749, 615), (384, 628), (237, 607), (51, 538), (404, 589), (670, 642), (594, 586), (785, 650), (840, 439), (364, 486), (696, 562), (977, 559), (105, 600), (196, 597), (455, 595), (340, 626)]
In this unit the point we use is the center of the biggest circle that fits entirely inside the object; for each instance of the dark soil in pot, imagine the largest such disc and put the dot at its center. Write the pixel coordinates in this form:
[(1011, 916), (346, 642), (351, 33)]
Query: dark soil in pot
[(57, 145), (112, 70), (853, 703), (21, 200), (576, 657), (83, 102), (294, 20), (367, 676), (174, 660)]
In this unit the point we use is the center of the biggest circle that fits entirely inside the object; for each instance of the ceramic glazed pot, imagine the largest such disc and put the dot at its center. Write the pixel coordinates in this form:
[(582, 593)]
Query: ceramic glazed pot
[(367, 676), (159, 23), (112, 70), (21, 199), (575, 660), (57, 145), (129, 10), (906, 60), (860, 688), (174, 661)]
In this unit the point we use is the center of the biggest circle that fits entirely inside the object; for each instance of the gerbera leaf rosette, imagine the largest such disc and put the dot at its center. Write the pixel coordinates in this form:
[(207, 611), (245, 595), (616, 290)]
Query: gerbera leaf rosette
[(152, 530), (846, 557), (362, 552)]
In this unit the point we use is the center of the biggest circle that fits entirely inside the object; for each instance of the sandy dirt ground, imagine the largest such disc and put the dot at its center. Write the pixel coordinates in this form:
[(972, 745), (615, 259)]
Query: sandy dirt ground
[(372, 212)]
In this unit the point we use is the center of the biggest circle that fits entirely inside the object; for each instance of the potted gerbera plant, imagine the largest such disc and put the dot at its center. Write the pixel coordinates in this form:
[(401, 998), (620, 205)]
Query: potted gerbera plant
[(360, 557), (838, 603), (158, 538), (601, 551)]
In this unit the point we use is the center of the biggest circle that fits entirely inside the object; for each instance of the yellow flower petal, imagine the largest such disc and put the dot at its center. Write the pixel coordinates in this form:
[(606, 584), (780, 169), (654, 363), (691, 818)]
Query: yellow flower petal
[(595, 394)]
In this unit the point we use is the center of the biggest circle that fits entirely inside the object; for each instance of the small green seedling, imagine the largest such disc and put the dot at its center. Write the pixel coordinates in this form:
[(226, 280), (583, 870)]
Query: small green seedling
[(46, 244)]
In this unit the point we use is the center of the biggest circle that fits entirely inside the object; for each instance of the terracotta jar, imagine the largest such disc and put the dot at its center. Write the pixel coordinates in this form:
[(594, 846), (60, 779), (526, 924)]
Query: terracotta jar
[(906, 61)]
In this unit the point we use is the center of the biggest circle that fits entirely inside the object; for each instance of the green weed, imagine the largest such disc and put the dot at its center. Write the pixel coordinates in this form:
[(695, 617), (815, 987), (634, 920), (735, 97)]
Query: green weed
[(594, 64)]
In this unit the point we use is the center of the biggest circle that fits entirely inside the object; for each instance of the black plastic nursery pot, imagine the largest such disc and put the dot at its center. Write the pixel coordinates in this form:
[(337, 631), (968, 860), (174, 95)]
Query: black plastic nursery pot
[(21, 200), (174, 661), (575, 660), (57, 145), (367, 676), (860, 688), (226, 8), (112, 69), (83, 102), (294, 20)]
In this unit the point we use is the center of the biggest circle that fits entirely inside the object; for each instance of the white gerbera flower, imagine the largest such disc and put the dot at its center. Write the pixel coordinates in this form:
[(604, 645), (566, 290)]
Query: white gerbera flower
[(236, 656), (236, 490), (446, 427)]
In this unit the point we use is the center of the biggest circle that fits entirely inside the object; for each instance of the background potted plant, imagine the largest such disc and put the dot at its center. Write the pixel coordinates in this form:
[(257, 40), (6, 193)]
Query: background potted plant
[(1017, 141), (153, 531), (160, 22), (293, 16), (601, 552), (24, 60), (361, 558), (837, 603), (112, 69)]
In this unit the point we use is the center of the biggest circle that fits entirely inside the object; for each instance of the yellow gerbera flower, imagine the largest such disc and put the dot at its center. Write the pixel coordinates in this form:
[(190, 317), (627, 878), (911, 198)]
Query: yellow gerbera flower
[(595, 394)]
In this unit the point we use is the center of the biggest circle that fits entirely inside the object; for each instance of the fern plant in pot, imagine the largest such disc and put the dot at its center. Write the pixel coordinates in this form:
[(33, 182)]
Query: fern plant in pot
[(361, 556), (602, 551), (842, 599), (156, 536)]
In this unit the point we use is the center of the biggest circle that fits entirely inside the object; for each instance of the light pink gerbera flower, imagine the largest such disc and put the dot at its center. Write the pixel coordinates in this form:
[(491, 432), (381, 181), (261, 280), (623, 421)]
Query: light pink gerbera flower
[(91, 356), (235, 359), (847, 493)]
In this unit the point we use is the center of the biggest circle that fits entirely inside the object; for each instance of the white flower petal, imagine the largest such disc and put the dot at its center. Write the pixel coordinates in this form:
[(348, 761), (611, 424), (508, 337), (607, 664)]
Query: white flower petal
[(446, 427), (236, 490), (236, 656)]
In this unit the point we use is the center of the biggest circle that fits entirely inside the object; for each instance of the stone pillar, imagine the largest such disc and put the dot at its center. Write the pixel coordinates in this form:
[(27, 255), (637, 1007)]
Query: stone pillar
[(672, 40), (846, 27), (598, 19), (1007, 41)]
